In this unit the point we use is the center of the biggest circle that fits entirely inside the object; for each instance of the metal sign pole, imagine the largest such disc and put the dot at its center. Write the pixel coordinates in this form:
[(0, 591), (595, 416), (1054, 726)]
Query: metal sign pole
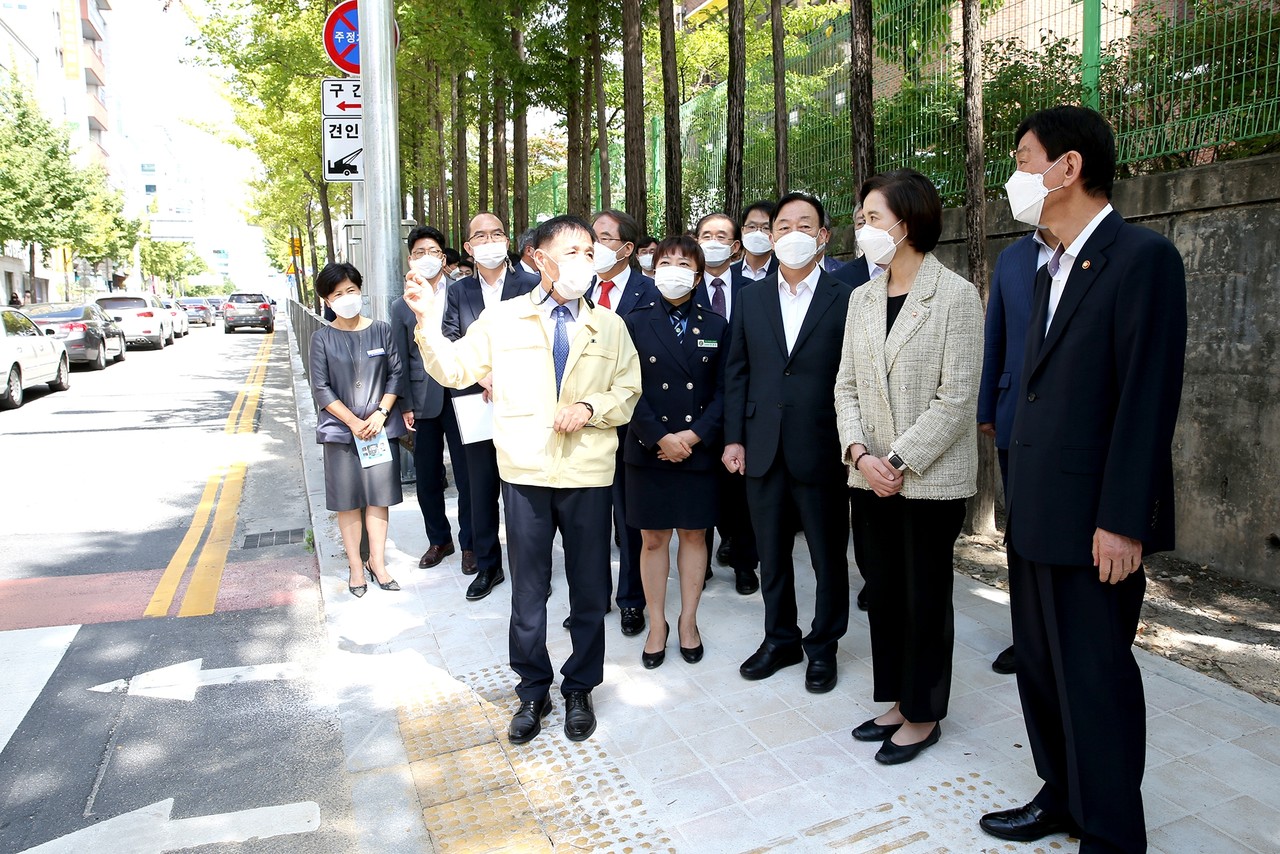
[(384, 276)]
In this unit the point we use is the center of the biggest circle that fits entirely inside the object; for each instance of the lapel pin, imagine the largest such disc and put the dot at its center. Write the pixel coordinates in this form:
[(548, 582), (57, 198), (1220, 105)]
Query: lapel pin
[(915, 314), (1084, 266)]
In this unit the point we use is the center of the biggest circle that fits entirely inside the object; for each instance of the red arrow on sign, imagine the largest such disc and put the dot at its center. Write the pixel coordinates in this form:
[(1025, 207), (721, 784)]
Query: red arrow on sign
[(345, 106)]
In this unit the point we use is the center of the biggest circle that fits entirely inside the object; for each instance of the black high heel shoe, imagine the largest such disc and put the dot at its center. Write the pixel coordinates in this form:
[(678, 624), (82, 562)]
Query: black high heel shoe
[(650, 660), (358, 591), (390, 585), (692, 654)]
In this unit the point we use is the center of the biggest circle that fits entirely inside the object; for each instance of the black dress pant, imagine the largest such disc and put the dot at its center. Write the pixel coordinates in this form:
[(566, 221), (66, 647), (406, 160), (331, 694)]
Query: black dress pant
[(534, 514), (630, 589), (430, 435), (776, 500), (734, 522), (909, 545), (1082, 697), (485, 487)]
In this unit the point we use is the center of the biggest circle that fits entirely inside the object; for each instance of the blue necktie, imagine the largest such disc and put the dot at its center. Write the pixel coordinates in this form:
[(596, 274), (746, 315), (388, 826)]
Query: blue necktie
[(678, 323), (560, 344)]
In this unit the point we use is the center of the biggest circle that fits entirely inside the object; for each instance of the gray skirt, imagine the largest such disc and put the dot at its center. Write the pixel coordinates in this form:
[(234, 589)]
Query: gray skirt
[(350, 486)]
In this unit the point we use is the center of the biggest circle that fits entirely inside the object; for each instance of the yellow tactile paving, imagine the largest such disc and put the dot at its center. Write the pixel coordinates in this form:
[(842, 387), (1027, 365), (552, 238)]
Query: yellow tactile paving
[(480, 793)]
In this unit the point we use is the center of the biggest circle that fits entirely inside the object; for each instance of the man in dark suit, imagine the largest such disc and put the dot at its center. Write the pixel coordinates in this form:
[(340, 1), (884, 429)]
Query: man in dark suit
[(1008, 316), (430, 415), (720, 286), (780, 431), (1090, 482), (497, 281), (757, 245)]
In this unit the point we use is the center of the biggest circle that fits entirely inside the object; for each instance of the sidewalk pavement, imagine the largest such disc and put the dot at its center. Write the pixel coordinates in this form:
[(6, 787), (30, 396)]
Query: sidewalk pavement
[(693, 758)]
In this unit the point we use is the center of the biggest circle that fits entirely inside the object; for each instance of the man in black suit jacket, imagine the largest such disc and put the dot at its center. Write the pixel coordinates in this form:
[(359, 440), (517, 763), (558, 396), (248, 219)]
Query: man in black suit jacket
[(466, 299), (780, 431), (758, 259), (1090, 482), (429, 413)]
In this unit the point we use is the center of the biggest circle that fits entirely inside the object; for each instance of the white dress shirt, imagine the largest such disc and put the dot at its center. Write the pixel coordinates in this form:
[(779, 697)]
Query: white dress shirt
[(796, 306), (492, 294), (756, 275), (615, 293), (727, 278), (1066, 260), (1046, 251), (530, 270)]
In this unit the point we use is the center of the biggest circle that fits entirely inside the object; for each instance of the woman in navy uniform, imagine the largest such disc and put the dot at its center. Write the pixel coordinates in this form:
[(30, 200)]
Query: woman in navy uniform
[(674, 439)]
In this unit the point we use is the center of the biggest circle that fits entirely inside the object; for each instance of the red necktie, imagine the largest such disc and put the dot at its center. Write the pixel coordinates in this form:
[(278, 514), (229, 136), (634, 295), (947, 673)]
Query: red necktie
[(605, 287)]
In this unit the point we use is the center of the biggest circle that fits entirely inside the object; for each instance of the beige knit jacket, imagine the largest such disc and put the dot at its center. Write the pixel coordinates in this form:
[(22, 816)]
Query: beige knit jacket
[(916, 392)]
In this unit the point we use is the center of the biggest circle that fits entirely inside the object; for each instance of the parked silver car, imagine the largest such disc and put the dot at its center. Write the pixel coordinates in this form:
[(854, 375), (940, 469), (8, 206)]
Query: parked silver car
[(87, 332), (248, 309)]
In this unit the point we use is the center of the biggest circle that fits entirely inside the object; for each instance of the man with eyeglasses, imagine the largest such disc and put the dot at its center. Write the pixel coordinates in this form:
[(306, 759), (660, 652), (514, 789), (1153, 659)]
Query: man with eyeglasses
[(429, 414), (496, 281), (757, 243)]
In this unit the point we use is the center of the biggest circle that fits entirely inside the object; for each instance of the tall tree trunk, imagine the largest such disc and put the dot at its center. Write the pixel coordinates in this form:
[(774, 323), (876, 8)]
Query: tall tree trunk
[(31, 267), (311, 238), (455, 212), (633, 121), (671, 120), (442, 187), (861, 108), (980, 515), (573, 125), (482, 127), (461, 188), (501, 202), (588, 95), (602, 123), (519, 140), (736, 118), (781, 118), (326, 218)]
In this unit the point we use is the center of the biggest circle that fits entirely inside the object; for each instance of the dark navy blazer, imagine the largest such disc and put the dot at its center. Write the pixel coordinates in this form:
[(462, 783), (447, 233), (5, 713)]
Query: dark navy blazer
[(425, 396), (682, 384), (640, 292), (466, 301), (855, 273), (1008, 315)]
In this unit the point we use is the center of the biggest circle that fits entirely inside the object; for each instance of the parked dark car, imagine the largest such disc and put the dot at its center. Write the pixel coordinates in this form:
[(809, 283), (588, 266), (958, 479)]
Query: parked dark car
[(249, 308), (86, 331), (198, 310)]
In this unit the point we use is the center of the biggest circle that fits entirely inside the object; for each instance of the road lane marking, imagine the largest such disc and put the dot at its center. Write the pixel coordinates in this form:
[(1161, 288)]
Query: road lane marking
[(221, 500), (181, 681), (28, 658)]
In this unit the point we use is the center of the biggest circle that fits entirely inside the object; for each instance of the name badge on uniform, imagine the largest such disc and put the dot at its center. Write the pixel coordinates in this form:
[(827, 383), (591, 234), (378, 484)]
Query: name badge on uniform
[(708, 342), (378, 351)]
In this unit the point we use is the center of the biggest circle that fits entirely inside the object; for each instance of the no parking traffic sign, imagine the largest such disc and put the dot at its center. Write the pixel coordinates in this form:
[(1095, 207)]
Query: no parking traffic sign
[(342, 36)]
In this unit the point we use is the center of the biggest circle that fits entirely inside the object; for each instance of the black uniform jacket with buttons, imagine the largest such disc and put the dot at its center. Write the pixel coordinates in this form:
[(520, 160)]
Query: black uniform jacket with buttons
[(773, 397), (465, 301), (1093, 431), (682, 385)]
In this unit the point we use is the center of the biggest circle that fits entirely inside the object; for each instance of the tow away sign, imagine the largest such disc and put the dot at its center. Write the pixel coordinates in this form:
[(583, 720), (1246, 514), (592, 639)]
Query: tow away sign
[(343, 149)]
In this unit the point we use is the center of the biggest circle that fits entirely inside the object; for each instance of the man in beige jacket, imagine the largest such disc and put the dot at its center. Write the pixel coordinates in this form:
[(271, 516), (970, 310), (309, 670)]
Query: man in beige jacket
[(565, 377)]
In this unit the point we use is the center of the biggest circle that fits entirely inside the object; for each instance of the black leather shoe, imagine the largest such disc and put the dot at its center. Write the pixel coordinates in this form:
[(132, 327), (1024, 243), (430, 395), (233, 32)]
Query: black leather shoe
[(579, 716), (1025, 824), (820, 676), (632, 621), (895, 754), (769, 659), (745, 581), (485, 581), (1006, 662), (652, 660), (722, 553), (872, 731), (862, 599), (526, 723)]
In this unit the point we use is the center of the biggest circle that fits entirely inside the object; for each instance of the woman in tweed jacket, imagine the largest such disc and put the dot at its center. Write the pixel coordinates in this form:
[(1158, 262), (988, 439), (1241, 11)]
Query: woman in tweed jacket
[(906, 403)]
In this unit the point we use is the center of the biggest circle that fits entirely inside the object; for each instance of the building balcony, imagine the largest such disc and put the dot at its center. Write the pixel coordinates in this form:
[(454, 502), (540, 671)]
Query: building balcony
[(92, 25), (95, 69), (97, 112)]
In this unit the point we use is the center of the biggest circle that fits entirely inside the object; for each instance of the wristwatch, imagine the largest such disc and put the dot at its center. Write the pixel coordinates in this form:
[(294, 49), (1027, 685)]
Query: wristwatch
[(386, 413), (897, 461)]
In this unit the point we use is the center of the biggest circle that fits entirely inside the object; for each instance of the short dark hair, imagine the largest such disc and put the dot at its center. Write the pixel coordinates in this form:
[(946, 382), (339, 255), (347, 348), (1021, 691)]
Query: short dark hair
[(1079, 129), (420, 232), (797, 196), (451, 255), (526, 240), (335, 274), (466, 261), (686, 246), (645, 242), (914, 200), (762, 205), (557, 225), (737, 230)]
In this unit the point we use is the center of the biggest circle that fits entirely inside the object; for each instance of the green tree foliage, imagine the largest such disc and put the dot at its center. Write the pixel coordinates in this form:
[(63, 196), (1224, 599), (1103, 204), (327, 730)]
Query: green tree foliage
[(170, 262)]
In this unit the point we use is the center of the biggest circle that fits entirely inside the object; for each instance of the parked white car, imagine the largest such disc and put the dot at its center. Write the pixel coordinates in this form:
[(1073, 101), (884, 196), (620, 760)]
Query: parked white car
[(29, 358), (142, 316), (178, 312)]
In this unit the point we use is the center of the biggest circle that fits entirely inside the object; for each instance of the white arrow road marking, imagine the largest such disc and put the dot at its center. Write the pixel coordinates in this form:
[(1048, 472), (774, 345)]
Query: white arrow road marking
[(181, 681), (150, 831)]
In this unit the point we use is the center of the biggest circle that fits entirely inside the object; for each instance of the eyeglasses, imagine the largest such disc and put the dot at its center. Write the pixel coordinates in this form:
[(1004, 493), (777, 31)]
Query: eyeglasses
[(487, 236), (750, 227), (421, 253)]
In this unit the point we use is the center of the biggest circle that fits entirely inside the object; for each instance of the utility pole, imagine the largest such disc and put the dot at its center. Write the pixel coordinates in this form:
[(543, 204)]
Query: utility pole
[(384, 276)]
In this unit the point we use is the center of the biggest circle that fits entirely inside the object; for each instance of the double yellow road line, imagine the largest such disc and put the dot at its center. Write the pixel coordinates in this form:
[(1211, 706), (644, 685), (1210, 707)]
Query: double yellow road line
[(221, 500)]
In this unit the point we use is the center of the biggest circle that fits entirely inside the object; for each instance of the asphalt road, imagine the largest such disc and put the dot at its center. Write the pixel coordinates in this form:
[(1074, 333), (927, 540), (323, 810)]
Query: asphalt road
[(130, 521)]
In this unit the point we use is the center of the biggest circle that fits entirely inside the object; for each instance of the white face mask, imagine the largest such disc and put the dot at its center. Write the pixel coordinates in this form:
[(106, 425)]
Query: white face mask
[(795, 249), (646, 261), (491, 256), (715, 252), (605, 258), (347, 305), (427, 265), (673, 282), (756, 242), (878, 244), (1026, 192), (575, 277)]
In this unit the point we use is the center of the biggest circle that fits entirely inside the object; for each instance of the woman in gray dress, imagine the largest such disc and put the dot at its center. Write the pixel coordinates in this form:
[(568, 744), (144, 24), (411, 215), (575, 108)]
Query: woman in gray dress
[(356, 377)]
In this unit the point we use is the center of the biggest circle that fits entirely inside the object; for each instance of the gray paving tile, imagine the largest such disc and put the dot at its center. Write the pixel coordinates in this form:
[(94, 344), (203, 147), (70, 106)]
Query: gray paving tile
[(757, 775), (1244, 771), (1249, 821), (1193, 836), (1264, 743), (1187, 786), (1219, 719)]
